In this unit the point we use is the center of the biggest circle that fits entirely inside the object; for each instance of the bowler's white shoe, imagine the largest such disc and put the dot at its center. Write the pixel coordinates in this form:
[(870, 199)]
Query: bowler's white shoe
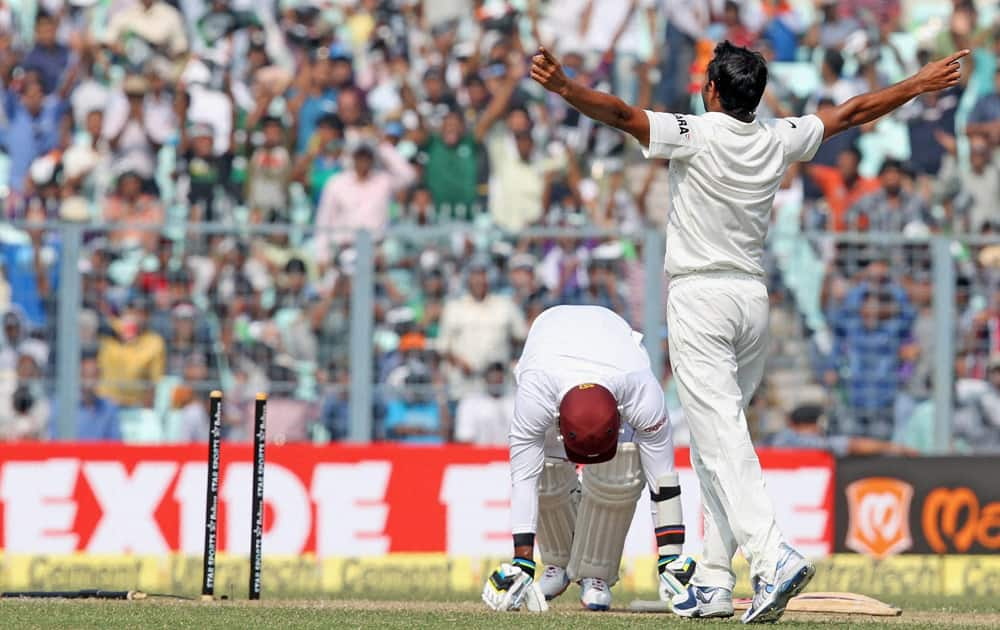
[(553, 582), (704, 601), (595, 594), (791, 575)]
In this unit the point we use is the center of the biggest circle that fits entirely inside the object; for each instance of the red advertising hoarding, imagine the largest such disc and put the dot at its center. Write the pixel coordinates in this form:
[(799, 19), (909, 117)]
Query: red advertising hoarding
[(332, 501)]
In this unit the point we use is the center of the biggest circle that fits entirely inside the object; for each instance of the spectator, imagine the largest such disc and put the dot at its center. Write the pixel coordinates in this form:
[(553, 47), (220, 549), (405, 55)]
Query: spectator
[(686, 23), (977, 416), (323, 157), (805, 429), (871, 330), (48, 58), (24, 409), (359, 197), (452, 170), (415, 417), (483, 418), (523, 281), (833, 27), (520, 175), (890, 208), (33, 128), (984, 119), (97, 417), (187, 342), (31, 267), (189, 400), (971, 194), (136, 212), (842, 186), (314, 97), (479, 328), (148, 24), (130, 129), (932, 130), (133, 360), (602, 289), (834, 85), (269, 175), (334, 414), (15, 341), (204, 175), (829, 152)]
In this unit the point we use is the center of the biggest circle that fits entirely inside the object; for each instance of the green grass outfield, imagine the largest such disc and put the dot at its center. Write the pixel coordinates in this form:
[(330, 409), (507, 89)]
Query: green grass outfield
[(451, 615)]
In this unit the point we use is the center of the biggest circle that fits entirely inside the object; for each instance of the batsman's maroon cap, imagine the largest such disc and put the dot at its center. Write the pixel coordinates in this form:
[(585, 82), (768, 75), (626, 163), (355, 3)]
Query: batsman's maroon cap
[(589, 424)]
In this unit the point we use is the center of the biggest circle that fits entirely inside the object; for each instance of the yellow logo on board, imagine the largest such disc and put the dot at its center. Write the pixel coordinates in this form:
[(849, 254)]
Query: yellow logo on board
[(585, 386)]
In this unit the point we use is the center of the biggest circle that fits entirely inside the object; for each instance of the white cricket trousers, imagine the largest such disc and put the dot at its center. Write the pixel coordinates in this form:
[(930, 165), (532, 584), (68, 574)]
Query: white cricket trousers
[(717, 327)]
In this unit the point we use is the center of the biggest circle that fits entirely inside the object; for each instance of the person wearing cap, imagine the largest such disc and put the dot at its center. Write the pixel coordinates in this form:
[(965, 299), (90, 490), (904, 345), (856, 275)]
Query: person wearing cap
[(586, 395)]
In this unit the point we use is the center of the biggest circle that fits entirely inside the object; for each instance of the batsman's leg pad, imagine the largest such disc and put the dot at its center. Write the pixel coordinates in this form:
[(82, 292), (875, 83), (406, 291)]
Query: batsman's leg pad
[(558, 497), (609, 494)]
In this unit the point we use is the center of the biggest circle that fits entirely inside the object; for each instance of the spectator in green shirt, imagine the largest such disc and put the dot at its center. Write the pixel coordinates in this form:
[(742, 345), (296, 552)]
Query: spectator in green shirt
[(451, 173)]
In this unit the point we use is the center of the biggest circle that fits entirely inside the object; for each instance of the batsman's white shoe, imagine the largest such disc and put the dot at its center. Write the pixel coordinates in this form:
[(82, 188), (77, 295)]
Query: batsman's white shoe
[(791, 575), (595, 594), (553, 582), (674, 579), (704, 601)]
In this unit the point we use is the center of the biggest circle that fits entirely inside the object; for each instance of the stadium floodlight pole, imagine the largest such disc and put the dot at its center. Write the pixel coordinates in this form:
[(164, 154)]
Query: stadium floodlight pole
[(257, 506), (212, 496)]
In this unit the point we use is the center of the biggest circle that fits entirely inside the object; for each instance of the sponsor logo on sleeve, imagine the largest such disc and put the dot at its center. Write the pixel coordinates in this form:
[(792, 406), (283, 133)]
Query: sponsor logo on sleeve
[(656, 427), (682, 124)]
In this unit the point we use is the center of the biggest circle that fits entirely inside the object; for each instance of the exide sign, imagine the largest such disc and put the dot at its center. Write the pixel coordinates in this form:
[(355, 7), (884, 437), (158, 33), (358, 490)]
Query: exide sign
[(352, 501)]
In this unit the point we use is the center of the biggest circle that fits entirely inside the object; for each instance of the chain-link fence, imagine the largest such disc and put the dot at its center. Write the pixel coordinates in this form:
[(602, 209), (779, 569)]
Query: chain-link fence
[(410, 335)]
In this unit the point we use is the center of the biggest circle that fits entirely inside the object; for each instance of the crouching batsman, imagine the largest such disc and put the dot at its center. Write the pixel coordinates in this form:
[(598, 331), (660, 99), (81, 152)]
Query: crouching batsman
[(586, 395)]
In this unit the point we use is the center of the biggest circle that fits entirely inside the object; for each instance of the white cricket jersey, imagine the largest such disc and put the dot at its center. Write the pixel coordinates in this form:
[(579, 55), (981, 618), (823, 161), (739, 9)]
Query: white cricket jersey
[(723, 177), (568, 346)]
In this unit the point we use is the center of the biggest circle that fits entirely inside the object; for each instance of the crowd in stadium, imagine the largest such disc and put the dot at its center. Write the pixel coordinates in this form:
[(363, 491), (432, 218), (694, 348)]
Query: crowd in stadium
[(221, 156)]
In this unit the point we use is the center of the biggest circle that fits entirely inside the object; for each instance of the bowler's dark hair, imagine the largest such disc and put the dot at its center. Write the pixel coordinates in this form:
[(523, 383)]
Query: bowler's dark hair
[(740, 76)]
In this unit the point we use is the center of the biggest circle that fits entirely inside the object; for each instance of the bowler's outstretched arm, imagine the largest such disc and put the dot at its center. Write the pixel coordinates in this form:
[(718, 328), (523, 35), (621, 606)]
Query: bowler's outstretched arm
[(600, 106), (937, 75)]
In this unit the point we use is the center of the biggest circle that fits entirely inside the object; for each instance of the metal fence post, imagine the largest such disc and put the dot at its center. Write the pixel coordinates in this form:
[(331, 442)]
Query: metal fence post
[(944, 340), (67, 386), (361, 329), (653, 248)]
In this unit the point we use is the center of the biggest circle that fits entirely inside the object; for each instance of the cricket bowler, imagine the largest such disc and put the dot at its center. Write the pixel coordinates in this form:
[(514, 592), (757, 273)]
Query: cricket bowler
[(586, 395), (725, 167)]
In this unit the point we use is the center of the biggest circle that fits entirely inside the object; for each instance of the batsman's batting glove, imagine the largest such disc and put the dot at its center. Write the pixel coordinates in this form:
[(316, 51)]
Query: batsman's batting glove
[(512, 586)]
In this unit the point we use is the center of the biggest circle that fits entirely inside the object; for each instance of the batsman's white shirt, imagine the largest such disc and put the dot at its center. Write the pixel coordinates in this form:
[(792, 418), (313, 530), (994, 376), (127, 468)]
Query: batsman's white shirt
[(724, 174), (568, 346)]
